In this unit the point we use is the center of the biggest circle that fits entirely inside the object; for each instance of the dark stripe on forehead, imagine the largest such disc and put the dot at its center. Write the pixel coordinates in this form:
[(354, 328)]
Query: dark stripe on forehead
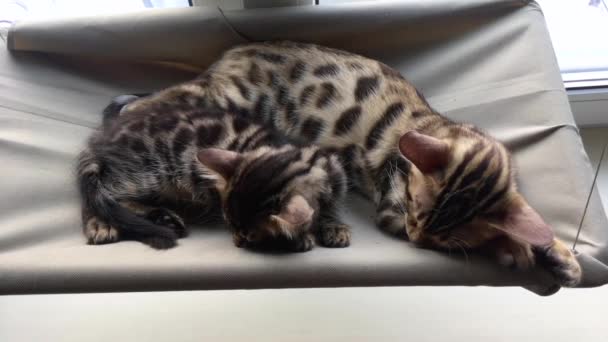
[(209, 135), (233, 144), (326, 70), (495, 198), (390, 114), (463, 164), (489, 184), (239, 124), (327, 94), (492, 180), (449, 187), (267, 173), (347, 120), (477, 173), (366, 86), (252, 137), (311, 129)]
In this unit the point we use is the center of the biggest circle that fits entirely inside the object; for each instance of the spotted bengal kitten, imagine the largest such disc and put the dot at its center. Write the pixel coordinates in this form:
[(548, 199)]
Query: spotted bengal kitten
[(146, 172), (443, 184)]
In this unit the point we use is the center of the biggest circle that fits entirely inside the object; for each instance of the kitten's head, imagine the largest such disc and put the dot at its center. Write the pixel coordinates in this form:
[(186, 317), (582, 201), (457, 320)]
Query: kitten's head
[(259, 200), (461, 192)]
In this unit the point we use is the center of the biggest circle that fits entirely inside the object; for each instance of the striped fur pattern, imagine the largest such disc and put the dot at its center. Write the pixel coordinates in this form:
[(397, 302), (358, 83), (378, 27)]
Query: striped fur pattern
[(145, 174), (449, 186)]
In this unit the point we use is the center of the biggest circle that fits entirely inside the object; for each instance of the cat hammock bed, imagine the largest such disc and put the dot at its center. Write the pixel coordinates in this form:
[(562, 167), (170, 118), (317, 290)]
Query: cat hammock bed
[(487, 62)]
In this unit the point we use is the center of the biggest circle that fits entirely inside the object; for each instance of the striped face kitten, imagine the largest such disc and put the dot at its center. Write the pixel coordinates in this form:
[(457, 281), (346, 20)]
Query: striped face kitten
[(141, 169), (280, 197), (440, 183), (463, 195)]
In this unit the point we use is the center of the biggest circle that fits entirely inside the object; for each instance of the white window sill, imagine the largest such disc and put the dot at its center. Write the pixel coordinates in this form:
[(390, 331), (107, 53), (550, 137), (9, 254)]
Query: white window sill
[(589, 106)]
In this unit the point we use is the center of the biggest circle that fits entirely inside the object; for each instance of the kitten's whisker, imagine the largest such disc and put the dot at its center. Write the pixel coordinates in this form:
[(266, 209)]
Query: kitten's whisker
[(466, 256)]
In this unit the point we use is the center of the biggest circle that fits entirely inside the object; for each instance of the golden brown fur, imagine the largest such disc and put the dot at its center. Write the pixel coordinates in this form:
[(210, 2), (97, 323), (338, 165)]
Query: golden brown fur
[(449, 183)]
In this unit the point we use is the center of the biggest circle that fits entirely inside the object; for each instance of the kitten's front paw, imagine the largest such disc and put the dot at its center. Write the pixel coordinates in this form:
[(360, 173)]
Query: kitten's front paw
[(159, 242), (562, 264), (303, 244), (514, 255), (168, 218), (335, 235), (98, 232)]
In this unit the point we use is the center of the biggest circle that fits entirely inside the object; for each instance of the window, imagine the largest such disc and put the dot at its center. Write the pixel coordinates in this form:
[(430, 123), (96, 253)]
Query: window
[(11, 10), (579, 32)]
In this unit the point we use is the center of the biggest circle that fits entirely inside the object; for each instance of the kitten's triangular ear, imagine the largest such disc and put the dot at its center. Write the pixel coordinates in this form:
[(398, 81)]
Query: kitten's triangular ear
[(427, 153), (296, 213), (524, 223), (223, 162)]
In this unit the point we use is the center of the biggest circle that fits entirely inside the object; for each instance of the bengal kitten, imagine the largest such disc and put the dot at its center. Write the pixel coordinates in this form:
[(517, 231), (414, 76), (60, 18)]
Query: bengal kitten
[(443, 184), (142, 169)]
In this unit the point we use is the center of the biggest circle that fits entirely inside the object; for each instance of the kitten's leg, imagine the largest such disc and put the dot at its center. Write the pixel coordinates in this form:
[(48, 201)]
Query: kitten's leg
[(333, 233), (557, 258), (330, 230), (391, 215), (160, 216), (97, 231), (168, 218), (510, 253), (561, 262), (303, 243)]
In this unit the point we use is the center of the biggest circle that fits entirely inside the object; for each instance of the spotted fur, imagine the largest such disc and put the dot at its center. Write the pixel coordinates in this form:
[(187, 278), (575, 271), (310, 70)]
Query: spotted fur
[(137, 183), (462, 195)]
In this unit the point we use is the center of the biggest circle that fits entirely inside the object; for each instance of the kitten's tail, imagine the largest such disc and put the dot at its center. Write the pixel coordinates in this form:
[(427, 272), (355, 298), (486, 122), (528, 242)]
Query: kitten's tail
[(98, 200)]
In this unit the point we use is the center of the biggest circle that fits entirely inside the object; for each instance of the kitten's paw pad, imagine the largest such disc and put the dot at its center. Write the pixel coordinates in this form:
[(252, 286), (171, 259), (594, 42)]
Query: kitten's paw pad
[(167, 218), (335, 236), (98, 232), (158, 242), (562, 264), (303, 244), (515, 256)]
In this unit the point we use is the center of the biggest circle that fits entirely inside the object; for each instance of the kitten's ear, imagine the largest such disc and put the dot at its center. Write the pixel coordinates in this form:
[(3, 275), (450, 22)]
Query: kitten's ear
[(296, 213), (223, 162), (427, 153), (524, 223)]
